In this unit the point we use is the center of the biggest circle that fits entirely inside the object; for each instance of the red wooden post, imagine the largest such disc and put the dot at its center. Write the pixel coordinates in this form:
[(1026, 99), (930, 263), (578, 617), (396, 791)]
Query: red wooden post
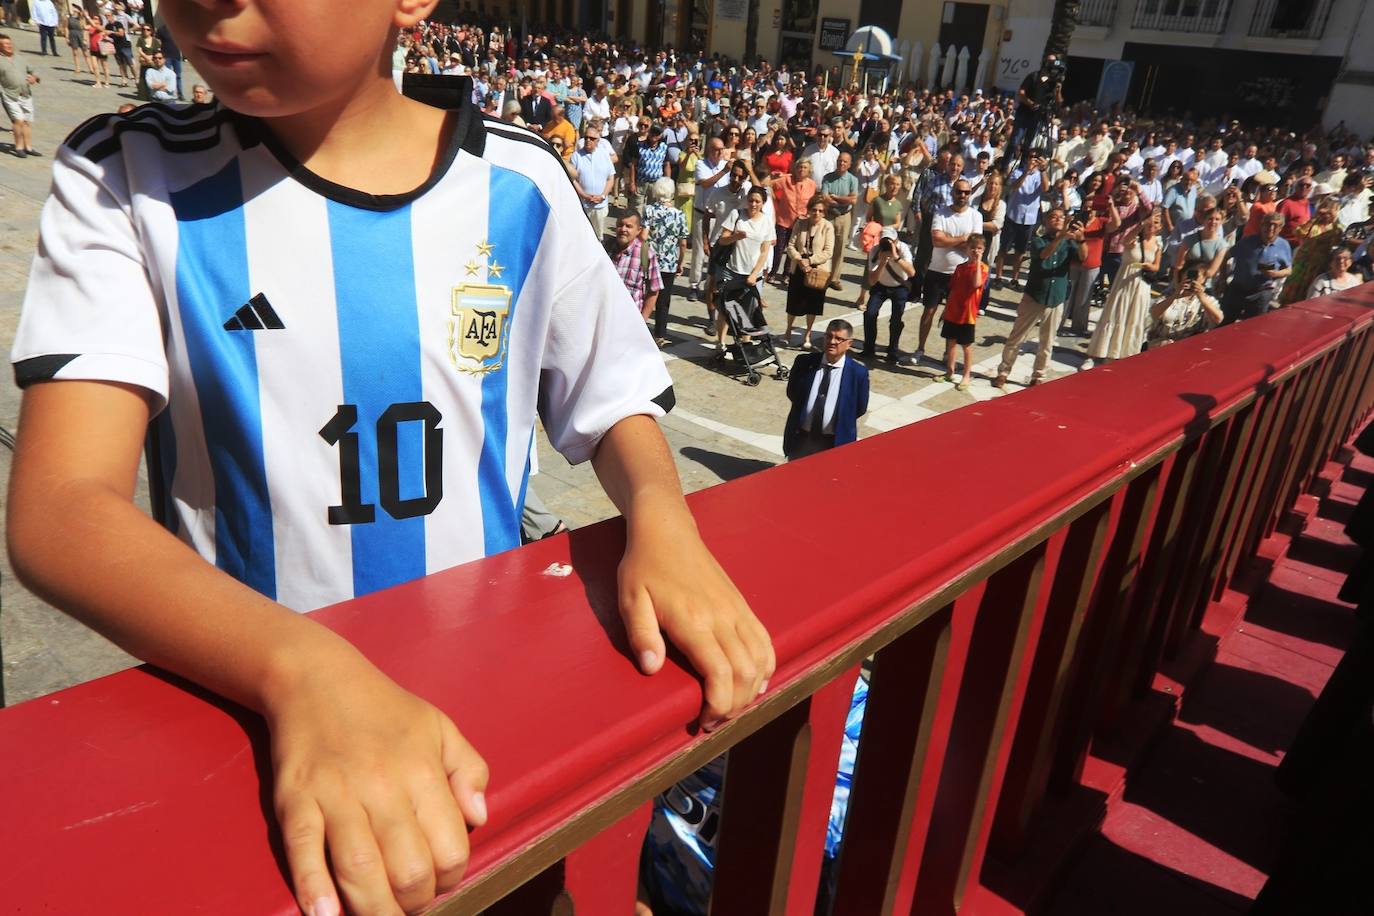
[(1184, 490), (1246, 492), (906, 723), (775, 807), (1004, 637), (1260, 488), (1127, 515), (1293, 392), (1119, 586), (602, 875), (1057, 658)]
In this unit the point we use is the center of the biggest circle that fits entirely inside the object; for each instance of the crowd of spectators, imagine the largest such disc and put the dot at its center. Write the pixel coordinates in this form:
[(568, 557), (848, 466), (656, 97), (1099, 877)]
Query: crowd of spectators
[(723, 173), (1171, 225)]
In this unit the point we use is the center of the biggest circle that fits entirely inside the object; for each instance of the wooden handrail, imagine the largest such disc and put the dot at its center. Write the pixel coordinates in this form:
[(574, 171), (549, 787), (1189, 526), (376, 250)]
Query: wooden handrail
[(971, 534)]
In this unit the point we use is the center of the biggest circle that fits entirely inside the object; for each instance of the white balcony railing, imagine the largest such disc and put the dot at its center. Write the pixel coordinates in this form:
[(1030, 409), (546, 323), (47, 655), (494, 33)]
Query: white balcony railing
[(1182, 15), (1097, 12), (1304, 19)]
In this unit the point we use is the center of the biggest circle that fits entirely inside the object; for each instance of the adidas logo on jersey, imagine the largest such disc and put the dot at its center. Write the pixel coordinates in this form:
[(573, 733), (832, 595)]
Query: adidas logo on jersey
[(256, 314)]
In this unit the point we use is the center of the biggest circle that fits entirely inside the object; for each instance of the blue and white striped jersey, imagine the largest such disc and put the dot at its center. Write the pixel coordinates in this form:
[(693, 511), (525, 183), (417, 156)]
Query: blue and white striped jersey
[(347, 384)]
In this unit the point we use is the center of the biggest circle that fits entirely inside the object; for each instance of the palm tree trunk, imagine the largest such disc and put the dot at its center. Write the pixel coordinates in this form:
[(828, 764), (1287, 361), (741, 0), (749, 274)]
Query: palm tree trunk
[(1062, 22), (751, 32)]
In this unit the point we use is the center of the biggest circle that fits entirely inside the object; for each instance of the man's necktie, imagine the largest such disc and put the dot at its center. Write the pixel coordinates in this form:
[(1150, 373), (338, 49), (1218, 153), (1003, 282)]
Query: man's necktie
[(818, 410)]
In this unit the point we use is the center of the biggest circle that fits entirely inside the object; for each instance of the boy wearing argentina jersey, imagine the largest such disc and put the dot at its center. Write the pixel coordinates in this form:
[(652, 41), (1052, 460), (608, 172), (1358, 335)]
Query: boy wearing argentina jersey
[(333, 312)]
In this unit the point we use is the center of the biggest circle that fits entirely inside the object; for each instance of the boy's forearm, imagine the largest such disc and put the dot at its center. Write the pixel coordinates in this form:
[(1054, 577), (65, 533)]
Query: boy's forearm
[(637, 472), (91, 552)]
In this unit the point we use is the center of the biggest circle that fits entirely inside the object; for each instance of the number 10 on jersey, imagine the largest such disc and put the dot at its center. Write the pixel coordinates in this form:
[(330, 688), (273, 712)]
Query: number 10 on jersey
[(340, 431)]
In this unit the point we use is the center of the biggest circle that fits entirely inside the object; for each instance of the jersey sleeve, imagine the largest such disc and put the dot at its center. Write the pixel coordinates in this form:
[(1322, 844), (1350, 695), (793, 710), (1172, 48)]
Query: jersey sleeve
[(600, 363), (90, 311)]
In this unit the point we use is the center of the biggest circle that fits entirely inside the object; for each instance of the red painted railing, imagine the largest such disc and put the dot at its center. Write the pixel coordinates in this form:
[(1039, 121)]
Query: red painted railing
[(1018, 570)]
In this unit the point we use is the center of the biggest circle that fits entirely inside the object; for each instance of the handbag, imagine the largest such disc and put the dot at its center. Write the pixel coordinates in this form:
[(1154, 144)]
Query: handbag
[(816, 278), (1151, 276), (870, 195), (720, 254), (106, 47)]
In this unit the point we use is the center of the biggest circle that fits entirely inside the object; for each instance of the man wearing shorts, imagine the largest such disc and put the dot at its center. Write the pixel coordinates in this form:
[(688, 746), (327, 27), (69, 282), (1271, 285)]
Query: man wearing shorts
[(17, 80), (950, 228), (1023, 212)]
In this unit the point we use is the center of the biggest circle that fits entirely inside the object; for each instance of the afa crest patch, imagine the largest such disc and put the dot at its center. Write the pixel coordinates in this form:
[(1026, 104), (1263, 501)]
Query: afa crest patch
[(478, 331)]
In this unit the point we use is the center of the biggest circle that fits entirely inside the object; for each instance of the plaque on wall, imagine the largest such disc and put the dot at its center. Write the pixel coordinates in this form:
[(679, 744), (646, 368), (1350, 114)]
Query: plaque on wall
[(834, 33)]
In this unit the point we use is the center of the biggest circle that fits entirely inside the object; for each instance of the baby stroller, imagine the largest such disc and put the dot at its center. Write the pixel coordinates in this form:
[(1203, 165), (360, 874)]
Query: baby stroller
[(750, 340)]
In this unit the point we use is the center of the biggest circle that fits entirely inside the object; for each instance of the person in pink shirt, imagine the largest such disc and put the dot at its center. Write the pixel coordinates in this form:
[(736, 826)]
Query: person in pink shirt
[(1295, 209), (790, 195)]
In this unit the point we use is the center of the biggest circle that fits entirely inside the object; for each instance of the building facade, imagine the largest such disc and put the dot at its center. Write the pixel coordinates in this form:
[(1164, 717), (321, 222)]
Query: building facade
[(1270, 60)]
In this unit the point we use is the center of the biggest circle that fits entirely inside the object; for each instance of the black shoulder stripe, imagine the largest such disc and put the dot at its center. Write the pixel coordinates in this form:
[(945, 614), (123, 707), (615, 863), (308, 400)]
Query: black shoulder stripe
[(191, 120), (508, 134), (474, 131), (112, 144), (40, 368), (88, 129), (666, 399)]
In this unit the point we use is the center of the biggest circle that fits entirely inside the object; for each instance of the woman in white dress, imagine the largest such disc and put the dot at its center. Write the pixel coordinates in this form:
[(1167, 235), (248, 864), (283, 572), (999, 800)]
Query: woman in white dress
[(1120, 329)]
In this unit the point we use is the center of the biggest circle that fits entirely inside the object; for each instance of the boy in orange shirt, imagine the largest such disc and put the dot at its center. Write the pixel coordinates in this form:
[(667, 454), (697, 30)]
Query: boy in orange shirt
[(961, 309)]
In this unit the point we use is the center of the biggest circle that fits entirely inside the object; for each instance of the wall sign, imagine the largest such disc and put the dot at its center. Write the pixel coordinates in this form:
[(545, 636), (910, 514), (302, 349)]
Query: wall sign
[(732, 10), (834, 34)]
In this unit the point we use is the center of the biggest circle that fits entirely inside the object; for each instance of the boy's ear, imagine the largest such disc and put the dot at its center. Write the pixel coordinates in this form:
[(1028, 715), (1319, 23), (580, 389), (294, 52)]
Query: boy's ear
[(409, 12)]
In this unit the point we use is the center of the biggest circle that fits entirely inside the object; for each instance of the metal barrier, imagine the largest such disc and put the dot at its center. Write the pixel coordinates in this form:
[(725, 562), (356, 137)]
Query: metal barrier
[(1016, 569)]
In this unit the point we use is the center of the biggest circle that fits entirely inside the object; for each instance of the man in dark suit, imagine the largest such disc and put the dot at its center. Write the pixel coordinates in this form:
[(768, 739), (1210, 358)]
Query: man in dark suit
[(535, 108), (829, 392)]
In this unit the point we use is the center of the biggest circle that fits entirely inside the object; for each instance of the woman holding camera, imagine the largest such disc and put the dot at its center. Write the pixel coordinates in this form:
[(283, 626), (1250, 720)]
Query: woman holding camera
[(811, 246), (1120, 329), (1188, 309)]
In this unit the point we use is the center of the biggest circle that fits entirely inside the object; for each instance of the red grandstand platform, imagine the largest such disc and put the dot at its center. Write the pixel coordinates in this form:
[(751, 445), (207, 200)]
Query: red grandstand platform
[(1024, 747)]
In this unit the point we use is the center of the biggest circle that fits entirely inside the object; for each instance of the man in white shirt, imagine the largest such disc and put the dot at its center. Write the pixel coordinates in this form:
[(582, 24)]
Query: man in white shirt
[(1225, 175), (1150, 188), (1216, 157), (599, 105), (711, 171), (1100, 146), (824, 154), (890, 267), (1353, 201), (1335, 175), (161, 80), (1186, 154), (979, 142), (950, 228), (1067, 152), (977, 176), (1170, 155), (1134, 162), (1250, 163), (595, 178), (45, 17), (1151, 148)]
